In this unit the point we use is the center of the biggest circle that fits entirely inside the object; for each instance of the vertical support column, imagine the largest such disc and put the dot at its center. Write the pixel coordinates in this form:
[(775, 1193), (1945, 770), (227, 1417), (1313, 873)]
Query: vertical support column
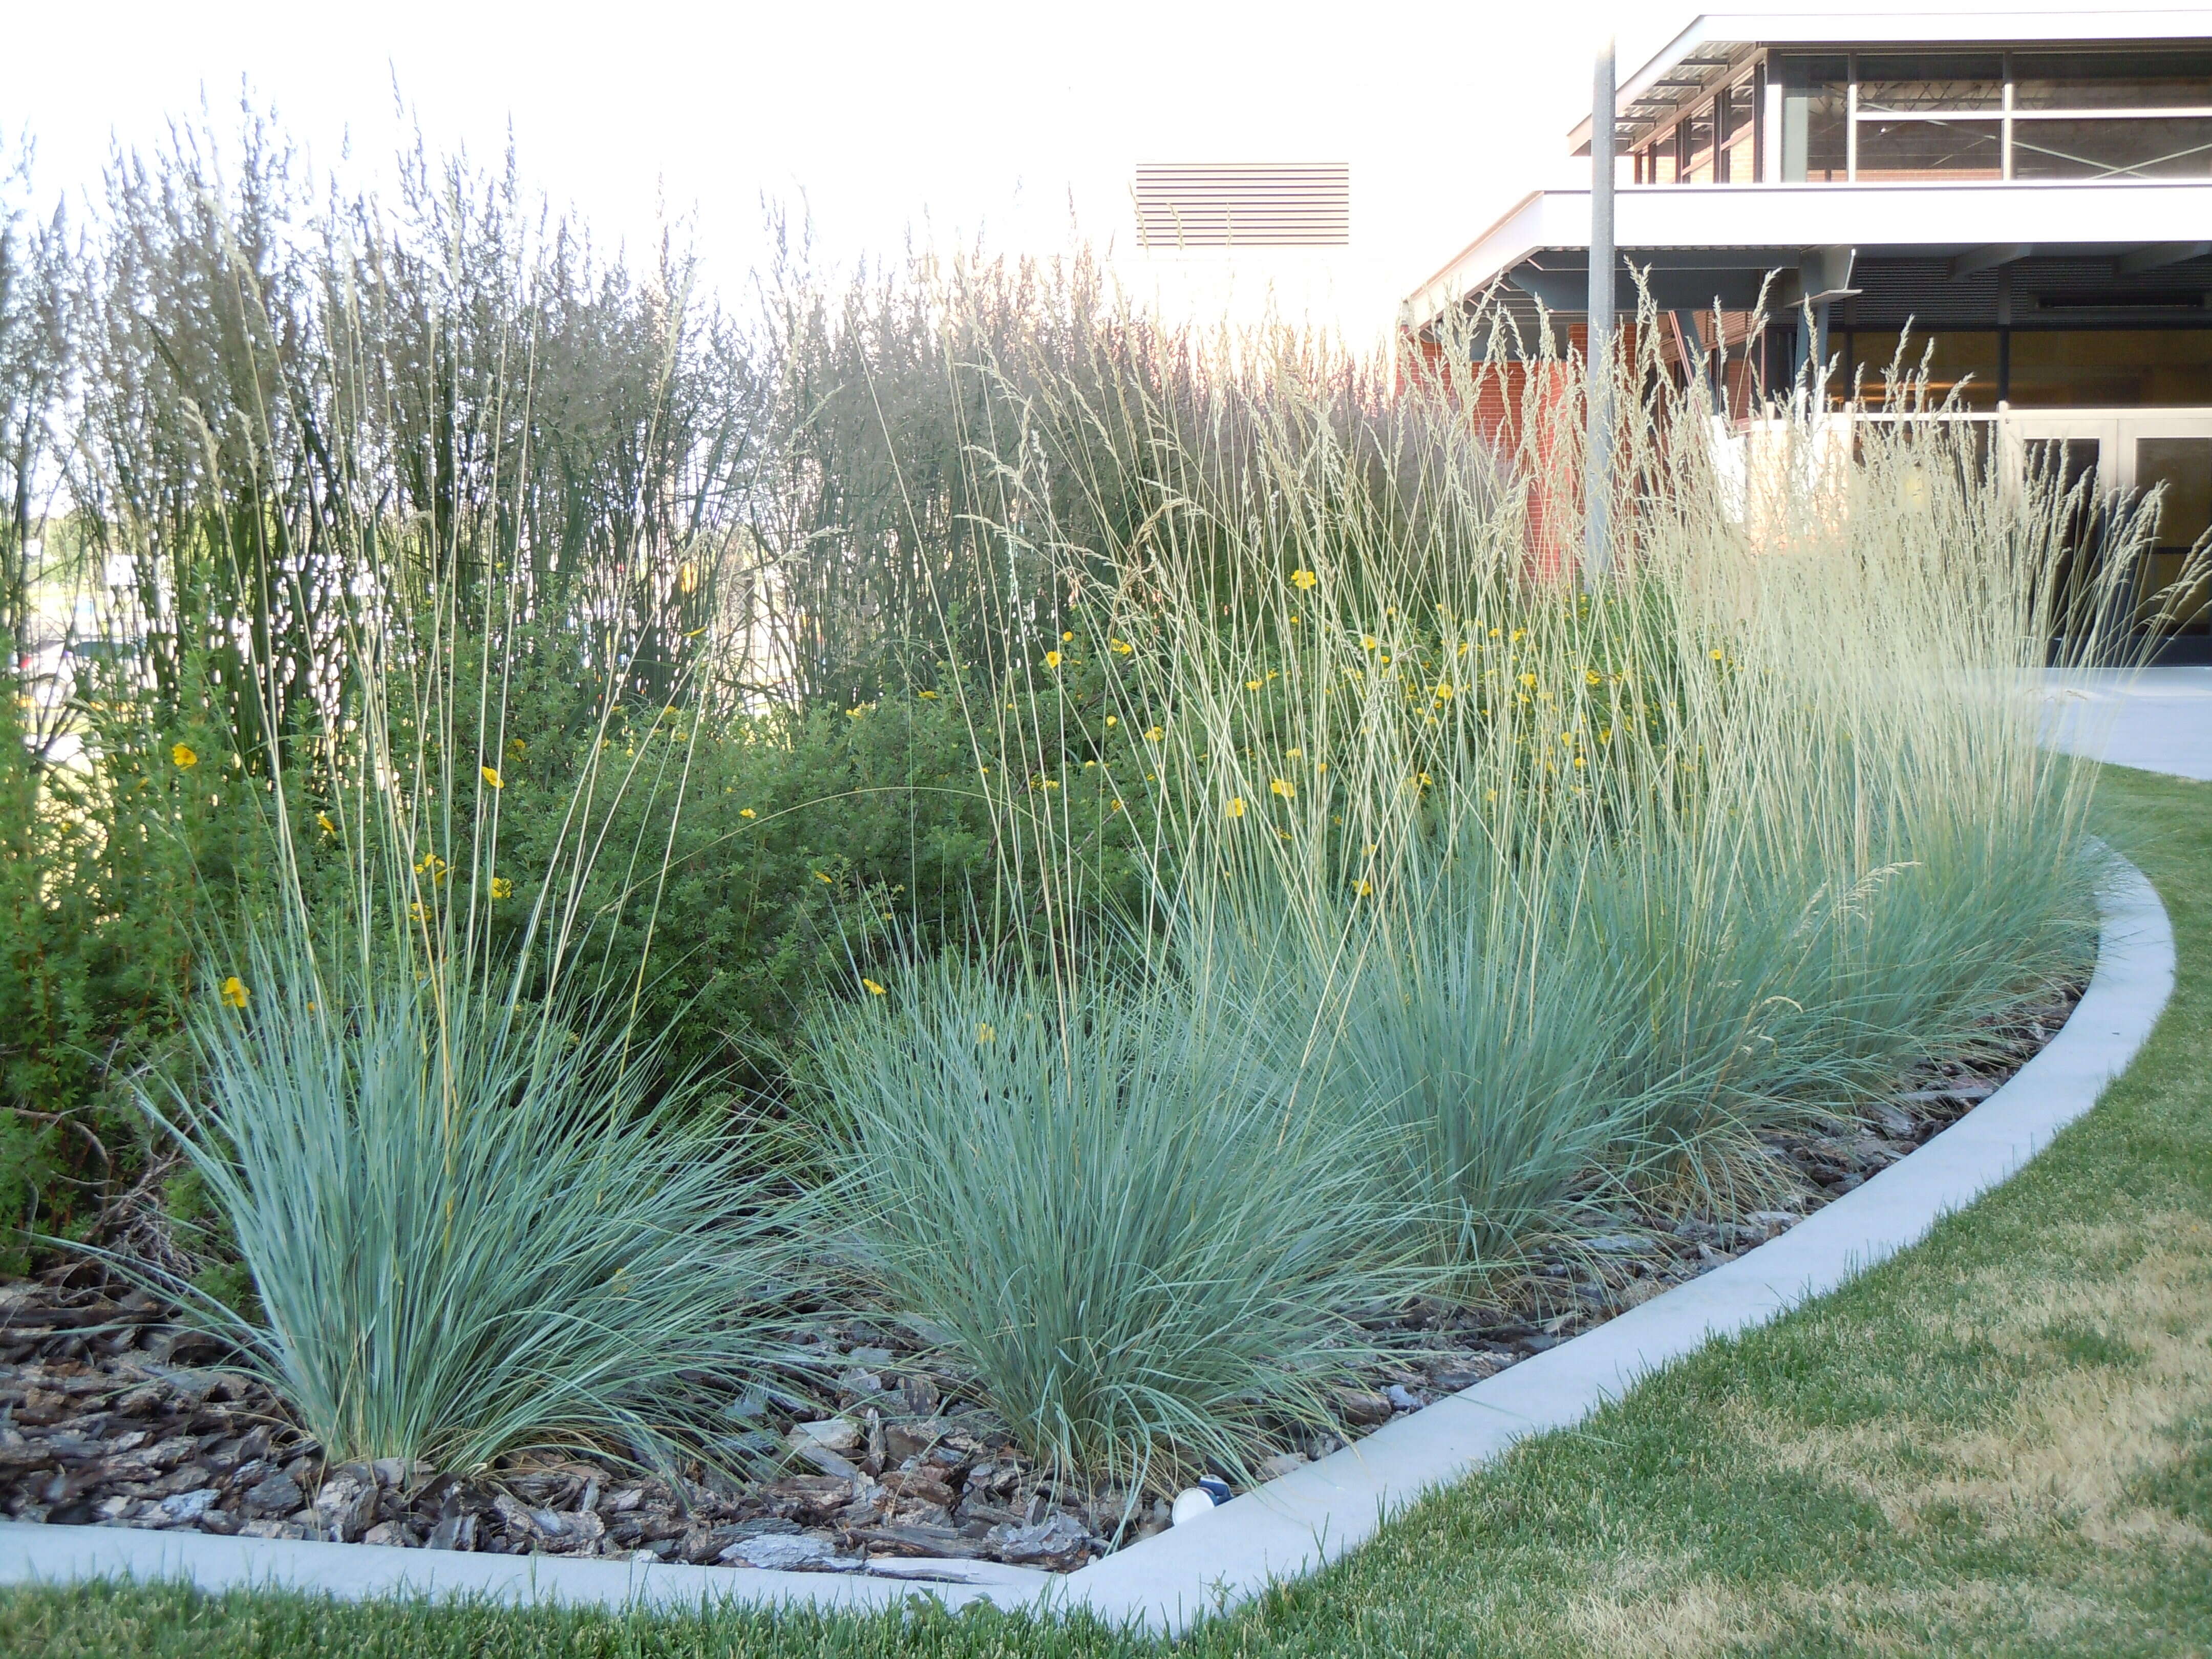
[(1769, 172), (1597, 463), (1851, 119), (2005, 148)]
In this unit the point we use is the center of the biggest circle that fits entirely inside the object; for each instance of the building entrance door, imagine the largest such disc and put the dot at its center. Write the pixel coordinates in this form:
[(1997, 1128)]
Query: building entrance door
[(2120, 455), (2175, 456)]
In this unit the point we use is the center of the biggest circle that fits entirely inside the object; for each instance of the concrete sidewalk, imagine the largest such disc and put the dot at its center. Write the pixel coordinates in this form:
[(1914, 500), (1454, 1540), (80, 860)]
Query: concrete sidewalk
[(2157, 719)]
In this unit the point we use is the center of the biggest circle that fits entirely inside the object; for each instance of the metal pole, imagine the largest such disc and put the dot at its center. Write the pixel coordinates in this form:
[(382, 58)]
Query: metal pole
[(1597, 466)]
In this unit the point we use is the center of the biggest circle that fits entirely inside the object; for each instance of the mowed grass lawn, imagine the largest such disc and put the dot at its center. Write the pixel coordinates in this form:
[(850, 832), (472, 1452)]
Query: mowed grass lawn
[(1999, 1443)]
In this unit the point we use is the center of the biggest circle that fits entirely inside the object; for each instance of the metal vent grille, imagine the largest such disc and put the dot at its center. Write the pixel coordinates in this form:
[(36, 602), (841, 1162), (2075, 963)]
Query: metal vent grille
[(1244, 205)]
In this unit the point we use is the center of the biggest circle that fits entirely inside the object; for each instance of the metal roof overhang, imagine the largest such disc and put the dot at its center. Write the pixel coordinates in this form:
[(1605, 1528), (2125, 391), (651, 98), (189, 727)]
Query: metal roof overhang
[(1704, 244)]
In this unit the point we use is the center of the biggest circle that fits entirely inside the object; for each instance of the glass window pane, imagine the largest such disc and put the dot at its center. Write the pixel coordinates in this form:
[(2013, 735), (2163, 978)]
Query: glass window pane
[(2184, 465), (1931, 81), (2156, 147), (1960, 361), (1814, 118), (2113, 80), (1920, 149), (2114, 369), (1735, 119), (1697, 148)]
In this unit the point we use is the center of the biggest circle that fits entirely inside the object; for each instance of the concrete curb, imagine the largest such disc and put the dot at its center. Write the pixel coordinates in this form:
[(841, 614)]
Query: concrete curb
[(1311, 1516)]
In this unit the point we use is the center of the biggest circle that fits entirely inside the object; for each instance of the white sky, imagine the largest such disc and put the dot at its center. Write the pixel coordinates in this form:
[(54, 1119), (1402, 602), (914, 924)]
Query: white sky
[(944, 120)]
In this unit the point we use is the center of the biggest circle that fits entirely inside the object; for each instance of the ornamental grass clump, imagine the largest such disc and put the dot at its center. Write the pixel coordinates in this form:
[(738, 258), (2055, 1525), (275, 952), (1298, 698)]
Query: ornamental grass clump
[(470, 1232), (1124, 1224), (1582, 884), (478, 1219)]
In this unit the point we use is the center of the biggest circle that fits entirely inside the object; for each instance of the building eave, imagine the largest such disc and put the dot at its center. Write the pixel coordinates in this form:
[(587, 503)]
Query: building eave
[(1768, 221)]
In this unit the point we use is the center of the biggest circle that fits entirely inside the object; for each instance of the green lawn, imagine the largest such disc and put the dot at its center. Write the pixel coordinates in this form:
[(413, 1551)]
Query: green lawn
[(2000, 1442)]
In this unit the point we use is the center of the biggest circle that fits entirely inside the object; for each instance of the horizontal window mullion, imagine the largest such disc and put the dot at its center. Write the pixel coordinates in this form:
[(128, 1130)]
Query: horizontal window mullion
[(2178, 111)]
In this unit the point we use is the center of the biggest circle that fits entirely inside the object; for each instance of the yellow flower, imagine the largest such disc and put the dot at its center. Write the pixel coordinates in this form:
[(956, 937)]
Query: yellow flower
[(855, 714), (1362, 888), (1052, 660), (1066, 635), (1113, 720), (746, 812), (1252, 685), (1294, 617), (1121, 647), (1155, 735), (983, 1031), (1294, 754), (1529, 680), (516, 749), (1281, 786), (418, 911), (1443, 690), (1302, 579), (822, 878), (1113, 805), (874, 990), (929, 697), (233, 991), (1717, 656), (1367, 642), (501, 888), (183, 755), (324, 818), (1591, 677), (490, 775), (1234, 808)]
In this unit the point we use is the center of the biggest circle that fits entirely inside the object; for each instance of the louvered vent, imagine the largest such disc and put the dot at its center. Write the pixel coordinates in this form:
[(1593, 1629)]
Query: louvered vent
[(1244, 205)]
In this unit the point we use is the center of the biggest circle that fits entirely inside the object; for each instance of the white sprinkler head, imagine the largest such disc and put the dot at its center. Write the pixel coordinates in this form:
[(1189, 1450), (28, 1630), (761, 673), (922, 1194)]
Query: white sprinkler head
[(1194, 1501)]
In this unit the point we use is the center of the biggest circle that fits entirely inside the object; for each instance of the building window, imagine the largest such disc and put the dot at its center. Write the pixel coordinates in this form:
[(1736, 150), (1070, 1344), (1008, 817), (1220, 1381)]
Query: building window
[(1815, 129), (2110, 368), (1876, 117), (2112, 80), (1697, 134), (1929, 149), (1964, 361), (1924, 84), (1736, 123), (2165, 147), (2183, 466)]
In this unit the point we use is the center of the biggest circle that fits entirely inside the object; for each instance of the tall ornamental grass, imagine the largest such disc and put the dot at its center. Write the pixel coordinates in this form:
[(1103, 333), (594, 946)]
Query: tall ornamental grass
[(478, 1221), (478, 1218), (1579, 887)]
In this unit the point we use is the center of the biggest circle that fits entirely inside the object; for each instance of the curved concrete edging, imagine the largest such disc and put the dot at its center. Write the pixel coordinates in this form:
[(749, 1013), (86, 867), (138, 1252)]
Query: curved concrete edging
[(1299, 1523)]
